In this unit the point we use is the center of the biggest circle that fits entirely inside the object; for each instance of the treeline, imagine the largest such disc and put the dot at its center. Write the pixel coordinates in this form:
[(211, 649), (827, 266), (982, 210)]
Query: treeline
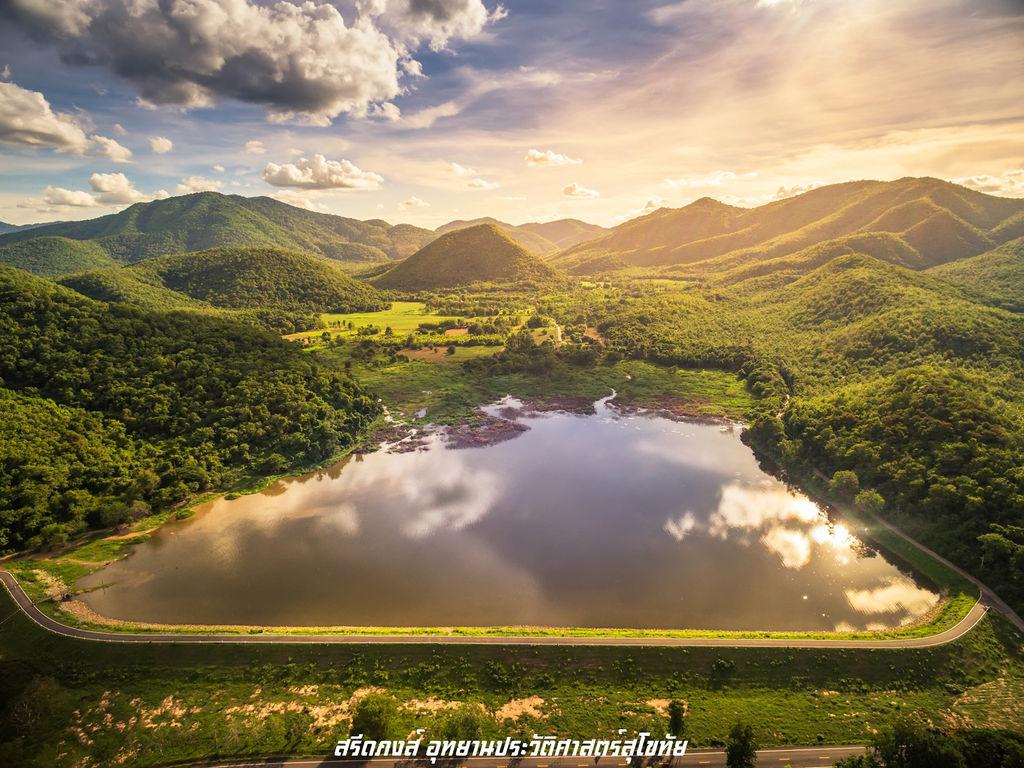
[(112, 411)]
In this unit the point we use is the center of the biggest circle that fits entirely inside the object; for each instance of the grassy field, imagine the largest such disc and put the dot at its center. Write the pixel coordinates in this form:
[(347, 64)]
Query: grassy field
[(97, 704), (403, 317)]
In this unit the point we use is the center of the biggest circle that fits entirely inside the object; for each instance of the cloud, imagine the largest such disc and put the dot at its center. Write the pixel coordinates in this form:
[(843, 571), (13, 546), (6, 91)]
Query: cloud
[(298, 60), (425, 118), (160, 145), (461, 170), (255, 147), (538, 159), (218, 168), (715, 179), (433, 21), (111, 150), (193, 184), (26, 119), (107, 189), (482, 184), (679, 528), (117, 189), (320, 173), (476, 87), (413, 202), (305, 199), (794, 190), (386, 111), (1007, 184), (59, 197), (578, 191)]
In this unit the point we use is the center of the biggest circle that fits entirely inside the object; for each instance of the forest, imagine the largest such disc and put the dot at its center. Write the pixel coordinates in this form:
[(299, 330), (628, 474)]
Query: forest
[(112, 411)]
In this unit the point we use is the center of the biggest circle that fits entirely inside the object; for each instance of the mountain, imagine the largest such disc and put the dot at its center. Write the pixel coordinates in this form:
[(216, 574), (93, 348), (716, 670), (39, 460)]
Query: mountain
[(995, 278), (201, 221), (5, 227), (926, 221), (232, 278), (541, 238), (483, 253)]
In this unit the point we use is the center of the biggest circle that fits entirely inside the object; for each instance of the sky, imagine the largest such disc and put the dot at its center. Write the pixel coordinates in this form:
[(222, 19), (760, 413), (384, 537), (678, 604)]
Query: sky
[(424, 111)]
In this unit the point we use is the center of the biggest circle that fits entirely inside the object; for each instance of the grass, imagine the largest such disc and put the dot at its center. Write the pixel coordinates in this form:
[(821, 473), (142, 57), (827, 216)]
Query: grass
[(404, 317), (98, 704)]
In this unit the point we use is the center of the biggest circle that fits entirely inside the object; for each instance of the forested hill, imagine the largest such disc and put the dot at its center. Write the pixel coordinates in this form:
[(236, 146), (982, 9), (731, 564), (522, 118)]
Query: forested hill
[(201, 221), (901, 376), (479, 254), (540, 238), (915, 222), (111, 412), (238, 278)]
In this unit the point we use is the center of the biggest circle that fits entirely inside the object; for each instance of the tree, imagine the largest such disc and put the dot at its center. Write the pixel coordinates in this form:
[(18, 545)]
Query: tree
[(465, 723), (676, 718), (908, 746), (844, 483), (741, 748), (375, 717), (870, 501), (451, 349)]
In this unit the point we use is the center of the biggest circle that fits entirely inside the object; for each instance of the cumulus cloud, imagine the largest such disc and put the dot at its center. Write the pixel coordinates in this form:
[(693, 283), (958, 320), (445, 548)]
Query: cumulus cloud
[(192, 184), (26, 119), (413, 202), (433, 21), (59, 197), (299, 60), (111, 150), (117, 189), (218, 168), (106, 189), (538, 159), (305, 199), (579, 191), (1007, 184), (461, 170), (320, 173), (794, 190), (482, 184), (255, 147), (386, 111), (160, 145)]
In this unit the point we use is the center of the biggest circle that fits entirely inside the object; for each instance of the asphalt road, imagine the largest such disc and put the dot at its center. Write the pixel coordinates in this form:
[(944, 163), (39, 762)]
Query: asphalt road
[(52, 625), (778, 757)]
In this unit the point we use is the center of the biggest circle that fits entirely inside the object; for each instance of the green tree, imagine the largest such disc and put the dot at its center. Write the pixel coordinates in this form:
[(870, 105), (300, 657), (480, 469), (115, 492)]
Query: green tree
[(375, 717), (676, 718), (844, 483), (741, 748), (870, 501)]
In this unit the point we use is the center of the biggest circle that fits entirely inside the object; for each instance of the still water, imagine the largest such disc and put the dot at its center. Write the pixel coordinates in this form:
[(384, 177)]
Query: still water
[(600, 521)]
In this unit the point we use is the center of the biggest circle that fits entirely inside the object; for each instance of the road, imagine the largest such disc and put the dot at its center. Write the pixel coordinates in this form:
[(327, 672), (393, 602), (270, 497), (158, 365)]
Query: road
[(52, 625), (778, 757)]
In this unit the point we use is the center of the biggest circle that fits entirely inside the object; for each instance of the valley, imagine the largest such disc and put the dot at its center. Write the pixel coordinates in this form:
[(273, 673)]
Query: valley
[(290, 459)]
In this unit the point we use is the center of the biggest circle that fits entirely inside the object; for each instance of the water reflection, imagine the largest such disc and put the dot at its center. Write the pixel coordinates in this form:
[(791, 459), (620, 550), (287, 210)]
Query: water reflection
[(585, 521)]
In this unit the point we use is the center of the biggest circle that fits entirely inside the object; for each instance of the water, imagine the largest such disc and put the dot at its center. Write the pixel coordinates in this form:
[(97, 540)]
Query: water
[(597, 521)]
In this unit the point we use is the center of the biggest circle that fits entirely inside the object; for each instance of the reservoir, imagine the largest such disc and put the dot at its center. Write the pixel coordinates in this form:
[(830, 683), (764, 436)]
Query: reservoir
[(603, 520)]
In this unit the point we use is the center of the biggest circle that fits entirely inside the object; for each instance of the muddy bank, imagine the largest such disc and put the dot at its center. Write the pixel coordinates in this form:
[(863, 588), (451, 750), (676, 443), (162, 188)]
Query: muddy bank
[(674, 409), (396, 437), (490, 430)]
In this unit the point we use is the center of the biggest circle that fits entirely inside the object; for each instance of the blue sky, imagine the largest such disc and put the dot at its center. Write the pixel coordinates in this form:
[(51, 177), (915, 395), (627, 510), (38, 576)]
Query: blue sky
[(428, 110)]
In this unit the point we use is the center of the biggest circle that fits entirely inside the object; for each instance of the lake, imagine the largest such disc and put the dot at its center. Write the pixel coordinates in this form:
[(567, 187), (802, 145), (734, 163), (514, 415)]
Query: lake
[(606, 520)]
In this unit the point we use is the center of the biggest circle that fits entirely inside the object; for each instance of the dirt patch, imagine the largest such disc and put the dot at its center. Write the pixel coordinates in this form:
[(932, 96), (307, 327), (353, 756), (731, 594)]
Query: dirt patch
[(488, 431), (456, 332), (53, 587), (396, 437), (517, 708), (430, 706)]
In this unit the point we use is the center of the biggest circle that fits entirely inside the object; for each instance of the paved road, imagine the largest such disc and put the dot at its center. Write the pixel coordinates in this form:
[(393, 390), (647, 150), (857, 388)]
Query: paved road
[(778, 757), (52, 625)]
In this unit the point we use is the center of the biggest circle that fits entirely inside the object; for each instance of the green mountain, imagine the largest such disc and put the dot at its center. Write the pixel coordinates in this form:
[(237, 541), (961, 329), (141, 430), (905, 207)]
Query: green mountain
[(478, 254), (111, 412), (995, 277), (541, 238), (926, 222), (201, 221)]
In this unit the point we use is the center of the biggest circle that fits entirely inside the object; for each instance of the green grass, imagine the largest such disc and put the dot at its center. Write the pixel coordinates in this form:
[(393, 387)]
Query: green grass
[(157, 704)]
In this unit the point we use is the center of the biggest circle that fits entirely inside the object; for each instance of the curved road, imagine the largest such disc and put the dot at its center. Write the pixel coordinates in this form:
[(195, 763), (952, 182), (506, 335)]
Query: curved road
[(52, 625)]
